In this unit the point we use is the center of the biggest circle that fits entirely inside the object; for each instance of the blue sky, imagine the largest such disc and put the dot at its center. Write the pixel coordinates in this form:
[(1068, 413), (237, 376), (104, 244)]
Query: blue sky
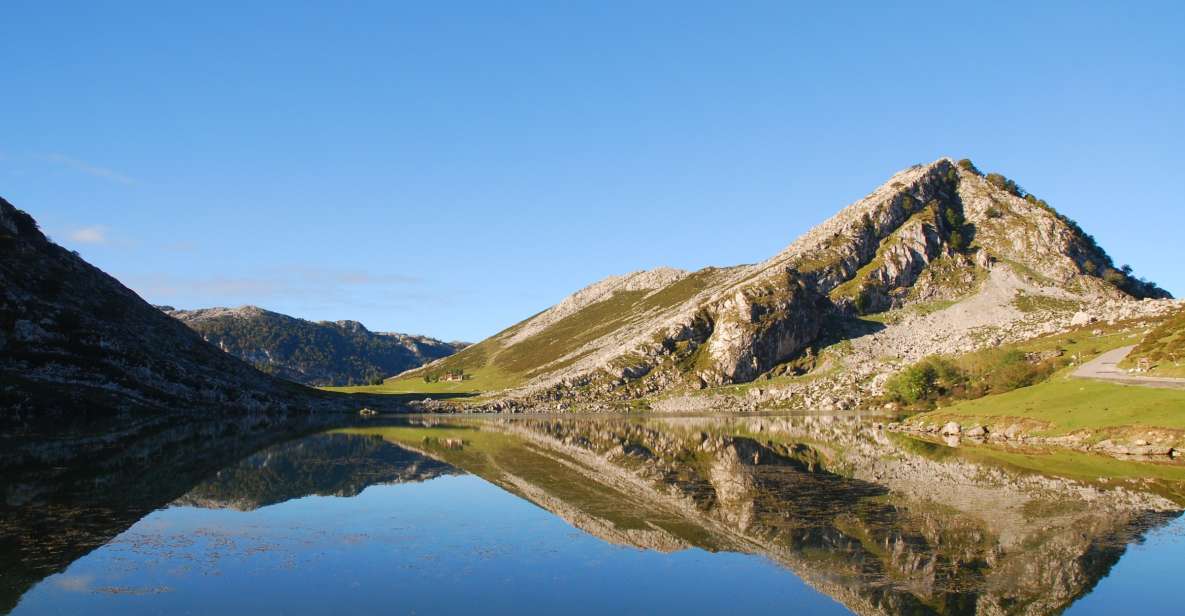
[(451, 168)]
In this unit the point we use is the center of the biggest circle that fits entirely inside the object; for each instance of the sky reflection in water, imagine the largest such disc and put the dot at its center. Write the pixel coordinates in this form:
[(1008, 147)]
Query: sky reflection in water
[(590, 517)]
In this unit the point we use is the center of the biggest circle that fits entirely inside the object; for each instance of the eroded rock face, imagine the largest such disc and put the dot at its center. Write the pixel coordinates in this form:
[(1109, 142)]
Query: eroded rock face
[(916, 245), (757, 327)]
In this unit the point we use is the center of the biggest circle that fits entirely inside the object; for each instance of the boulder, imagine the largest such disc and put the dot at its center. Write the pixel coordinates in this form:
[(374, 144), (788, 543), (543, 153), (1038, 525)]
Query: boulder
[(951, 428), (977, 432)]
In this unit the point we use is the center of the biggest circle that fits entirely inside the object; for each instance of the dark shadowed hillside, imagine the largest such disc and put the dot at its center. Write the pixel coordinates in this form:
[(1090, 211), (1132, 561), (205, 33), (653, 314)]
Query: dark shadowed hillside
[(86, 364)]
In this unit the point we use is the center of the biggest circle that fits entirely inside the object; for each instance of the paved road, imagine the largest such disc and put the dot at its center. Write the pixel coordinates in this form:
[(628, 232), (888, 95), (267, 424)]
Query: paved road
[(1105, 368)]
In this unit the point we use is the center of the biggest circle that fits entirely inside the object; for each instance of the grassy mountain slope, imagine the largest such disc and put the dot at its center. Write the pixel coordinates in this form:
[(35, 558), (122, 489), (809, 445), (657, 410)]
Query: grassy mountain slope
[(974, 254), (1162, 351), (322, 353)]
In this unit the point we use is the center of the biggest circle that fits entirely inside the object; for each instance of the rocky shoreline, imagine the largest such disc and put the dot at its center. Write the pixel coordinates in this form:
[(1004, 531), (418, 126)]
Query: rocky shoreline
[(1154, 444), (1157, 443)]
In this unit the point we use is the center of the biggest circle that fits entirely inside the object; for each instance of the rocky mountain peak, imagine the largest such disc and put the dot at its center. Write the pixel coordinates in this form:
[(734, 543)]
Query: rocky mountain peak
[(942, 232)]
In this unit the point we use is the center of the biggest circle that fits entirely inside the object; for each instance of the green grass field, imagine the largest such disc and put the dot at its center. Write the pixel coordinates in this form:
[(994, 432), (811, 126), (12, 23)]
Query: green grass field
[(1066, 404), (483, 379)]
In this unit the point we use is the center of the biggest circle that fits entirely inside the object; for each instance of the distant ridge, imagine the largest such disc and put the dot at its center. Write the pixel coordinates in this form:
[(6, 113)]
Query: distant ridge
[(312, 353)]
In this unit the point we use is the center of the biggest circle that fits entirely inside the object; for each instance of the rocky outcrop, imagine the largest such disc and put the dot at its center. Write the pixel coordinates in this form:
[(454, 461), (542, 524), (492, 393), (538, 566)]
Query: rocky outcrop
[(759, 325)]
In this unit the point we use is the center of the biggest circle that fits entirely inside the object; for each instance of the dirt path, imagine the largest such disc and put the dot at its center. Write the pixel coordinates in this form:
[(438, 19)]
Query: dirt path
[(1105, 368)]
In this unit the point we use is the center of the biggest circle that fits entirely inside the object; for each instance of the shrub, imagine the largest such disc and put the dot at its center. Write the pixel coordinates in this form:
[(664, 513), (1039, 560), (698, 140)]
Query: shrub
[(863, 301), (1013, 372), (1115, 277), (913, 384), (958, 243), (971, 376), (925, 381), (999, 181), (956, 222), (954, 217), (967, 165)]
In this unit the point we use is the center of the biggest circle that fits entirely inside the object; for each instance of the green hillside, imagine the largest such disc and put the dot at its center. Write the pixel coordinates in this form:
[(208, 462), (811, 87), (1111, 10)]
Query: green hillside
[(1163, 349), (496, 363)]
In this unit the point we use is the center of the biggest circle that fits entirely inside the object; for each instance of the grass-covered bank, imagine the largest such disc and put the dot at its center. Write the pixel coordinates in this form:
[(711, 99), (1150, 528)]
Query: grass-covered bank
[(943, 381), (1027, 392), (1065, 405)]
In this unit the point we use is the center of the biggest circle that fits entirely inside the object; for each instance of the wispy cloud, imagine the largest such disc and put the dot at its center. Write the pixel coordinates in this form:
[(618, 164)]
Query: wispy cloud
[(295, 282), (89, 235), (90, 169)]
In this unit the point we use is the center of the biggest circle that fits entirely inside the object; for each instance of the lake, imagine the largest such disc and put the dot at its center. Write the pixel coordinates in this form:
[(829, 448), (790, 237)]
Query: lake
[(585, 515)]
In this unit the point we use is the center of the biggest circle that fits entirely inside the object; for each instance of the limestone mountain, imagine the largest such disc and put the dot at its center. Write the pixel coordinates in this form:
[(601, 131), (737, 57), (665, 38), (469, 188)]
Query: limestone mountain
[(312, 353), (958, 258)]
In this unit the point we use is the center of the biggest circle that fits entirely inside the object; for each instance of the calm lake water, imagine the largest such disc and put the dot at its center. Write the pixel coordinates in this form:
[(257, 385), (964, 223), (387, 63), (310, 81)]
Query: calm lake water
[(808, 515)]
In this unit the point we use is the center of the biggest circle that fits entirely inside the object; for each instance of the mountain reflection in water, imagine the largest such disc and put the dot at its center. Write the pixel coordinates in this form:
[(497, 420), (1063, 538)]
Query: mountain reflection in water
[(881, 524)]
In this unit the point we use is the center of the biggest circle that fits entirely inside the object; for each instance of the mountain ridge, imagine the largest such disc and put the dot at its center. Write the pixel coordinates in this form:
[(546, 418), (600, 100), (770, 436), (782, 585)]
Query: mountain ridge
[(314, 353)]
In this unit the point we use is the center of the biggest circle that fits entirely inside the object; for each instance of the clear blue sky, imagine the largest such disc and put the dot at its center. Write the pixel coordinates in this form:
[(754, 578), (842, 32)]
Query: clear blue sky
[(450, 168)]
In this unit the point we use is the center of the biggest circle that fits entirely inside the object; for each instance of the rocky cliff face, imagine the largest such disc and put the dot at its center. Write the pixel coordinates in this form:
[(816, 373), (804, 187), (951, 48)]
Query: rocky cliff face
[(312, 353), (941, 232)]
